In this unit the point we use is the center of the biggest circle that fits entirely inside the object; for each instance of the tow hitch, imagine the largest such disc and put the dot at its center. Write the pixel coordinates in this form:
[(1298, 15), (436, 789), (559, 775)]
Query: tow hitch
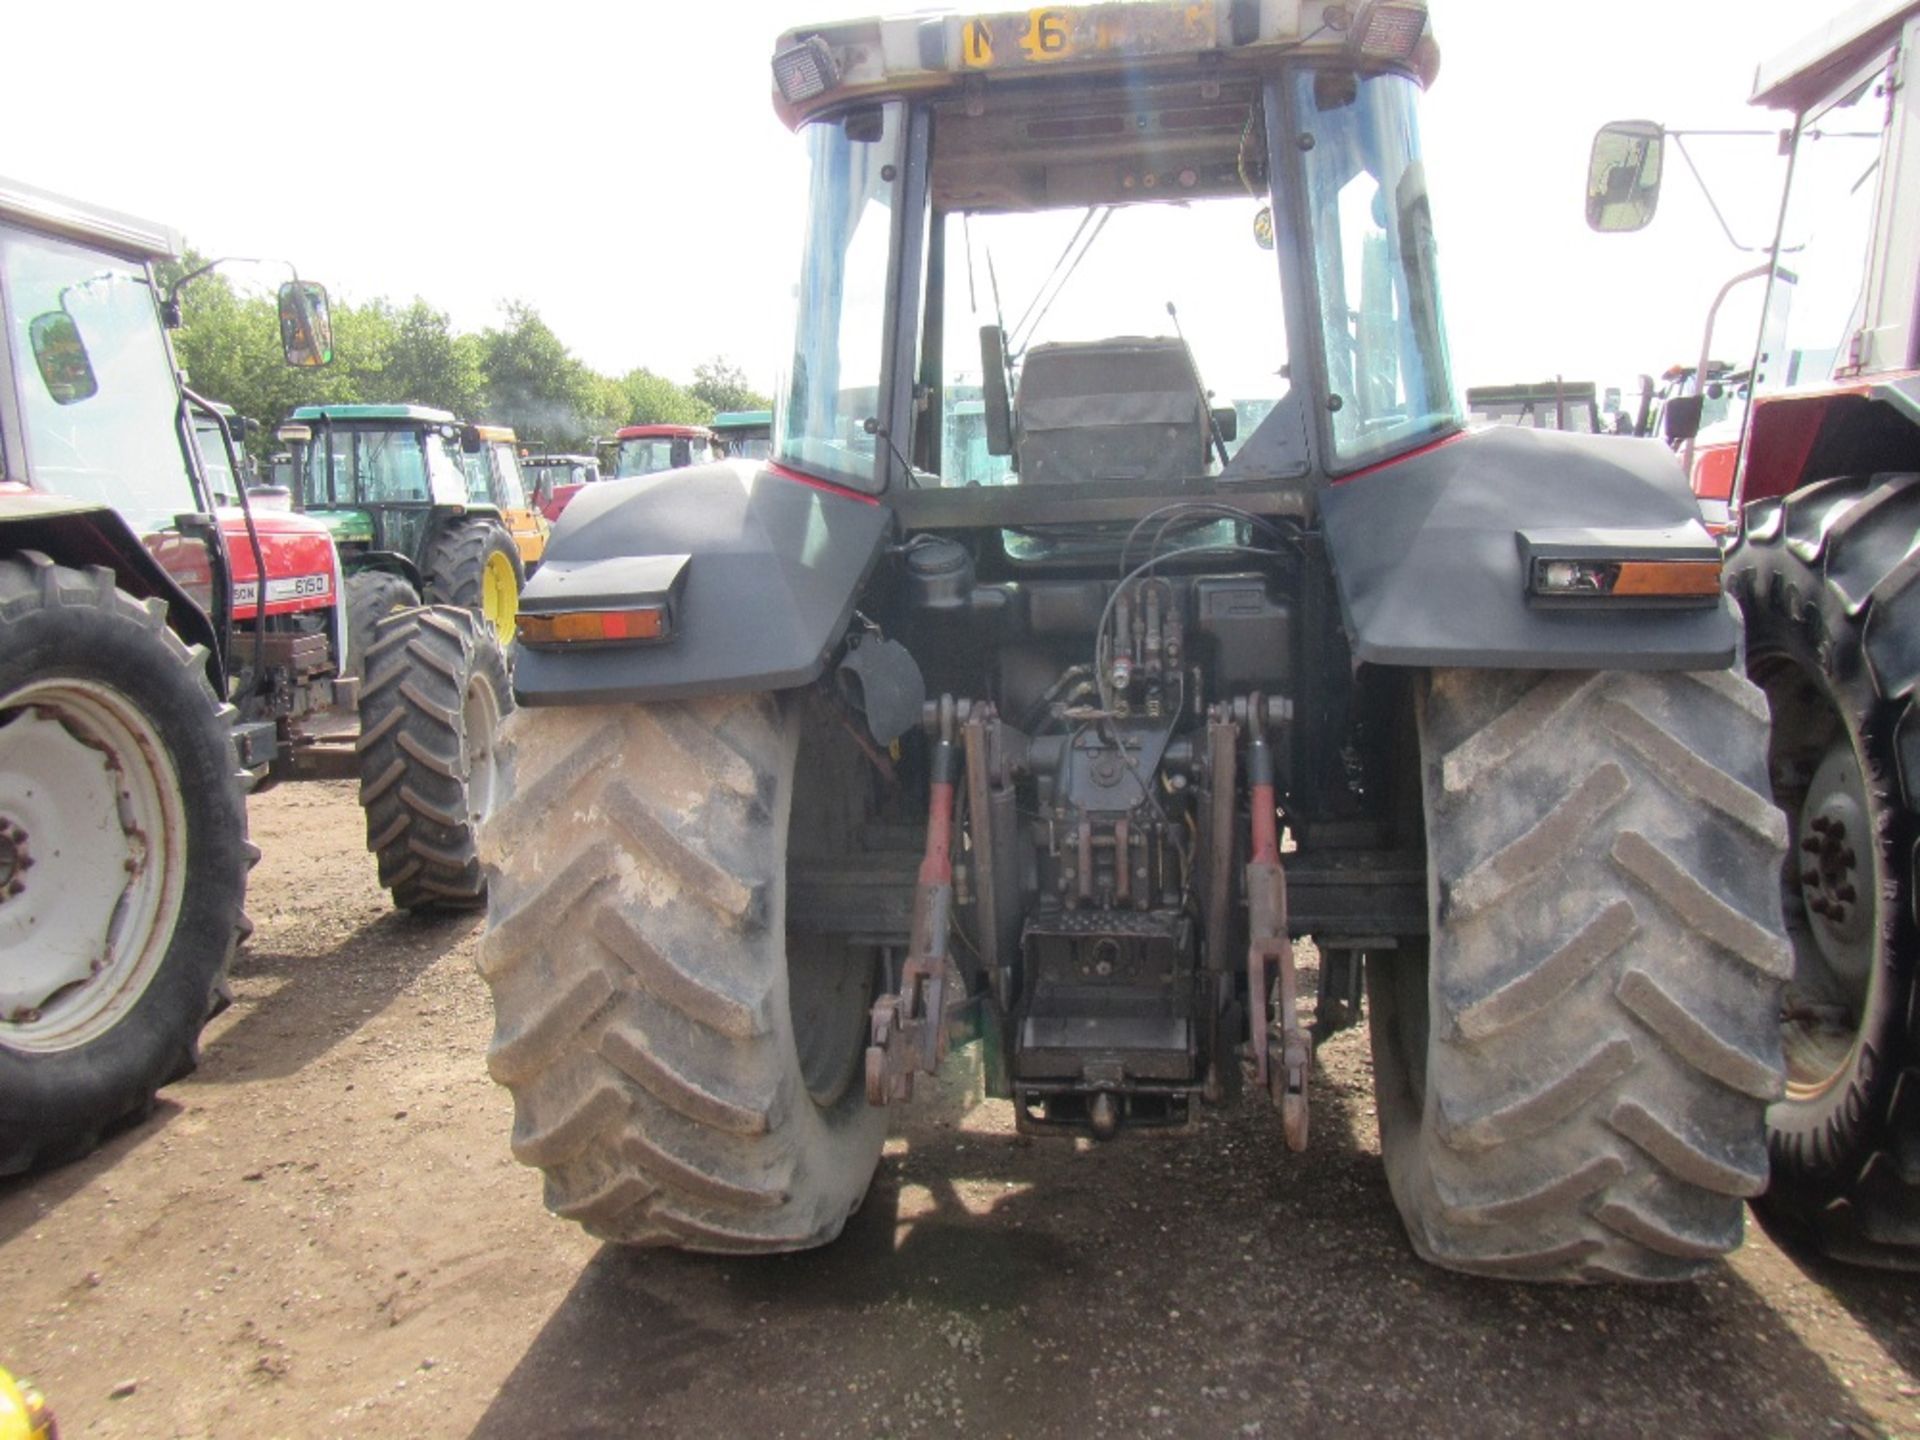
[(909, 1027), (1268, 942)]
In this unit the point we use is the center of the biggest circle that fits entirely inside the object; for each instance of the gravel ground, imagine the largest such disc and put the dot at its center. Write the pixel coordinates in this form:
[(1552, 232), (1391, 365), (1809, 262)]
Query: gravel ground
[(322, 1233)]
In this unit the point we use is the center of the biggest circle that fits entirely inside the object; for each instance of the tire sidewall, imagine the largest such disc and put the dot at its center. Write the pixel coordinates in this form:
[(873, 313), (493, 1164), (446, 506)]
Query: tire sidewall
[(1792, 618), (105, 1078)]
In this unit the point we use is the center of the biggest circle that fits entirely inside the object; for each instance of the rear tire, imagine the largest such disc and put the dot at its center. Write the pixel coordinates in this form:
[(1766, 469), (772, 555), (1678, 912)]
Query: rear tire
[(430, 712), (1572, 1082), (1830, 579), (683, 1071), (473, 564), (123, 837), (372, 595)]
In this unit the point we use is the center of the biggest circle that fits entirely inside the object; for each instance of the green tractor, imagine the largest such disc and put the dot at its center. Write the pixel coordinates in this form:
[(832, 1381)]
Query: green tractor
[(411, 520)]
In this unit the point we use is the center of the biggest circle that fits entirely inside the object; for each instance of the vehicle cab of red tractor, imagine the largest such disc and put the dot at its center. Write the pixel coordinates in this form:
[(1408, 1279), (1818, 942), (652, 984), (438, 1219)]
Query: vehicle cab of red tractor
[(825, 755), (1817, 472), (649, 449)]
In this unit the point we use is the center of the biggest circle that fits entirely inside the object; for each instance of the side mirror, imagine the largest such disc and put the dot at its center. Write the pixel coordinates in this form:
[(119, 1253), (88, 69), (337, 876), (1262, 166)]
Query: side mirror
[(1680, 421), (993, 384), (306, 326), (1226, 420), (1623, 176), (65, 367)]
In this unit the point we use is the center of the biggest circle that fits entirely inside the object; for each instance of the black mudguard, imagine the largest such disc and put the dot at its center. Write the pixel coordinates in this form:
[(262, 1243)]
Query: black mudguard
[(1427, 555), (774, 565)]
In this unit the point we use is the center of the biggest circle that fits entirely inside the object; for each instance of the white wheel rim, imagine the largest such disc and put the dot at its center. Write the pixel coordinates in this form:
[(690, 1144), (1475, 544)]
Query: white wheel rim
[(480, 722), (92, 862)]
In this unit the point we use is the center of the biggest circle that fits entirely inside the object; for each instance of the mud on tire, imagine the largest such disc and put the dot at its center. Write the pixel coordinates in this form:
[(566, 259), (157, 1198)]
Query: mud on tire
[(683, 1071), (1572, 1083), (1830, 581), (104, 710), (430, 710)]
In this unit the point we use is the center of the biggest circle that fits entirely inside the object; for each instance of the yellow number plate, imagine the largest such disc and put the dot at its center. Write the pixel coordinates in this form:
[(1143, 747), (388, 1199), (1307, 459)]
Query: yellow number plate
[(1083, 32)]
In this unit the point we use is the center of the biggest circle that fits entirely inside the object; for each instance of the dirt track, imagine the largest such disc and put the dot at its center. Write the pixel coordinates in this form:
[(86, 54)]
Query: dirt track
[(322, 1233)]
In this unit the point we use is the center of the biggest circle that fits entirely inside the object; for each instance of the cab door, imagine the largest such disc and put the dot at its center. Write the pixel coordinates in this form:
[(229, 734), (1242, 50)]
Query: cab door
[(527, 525)]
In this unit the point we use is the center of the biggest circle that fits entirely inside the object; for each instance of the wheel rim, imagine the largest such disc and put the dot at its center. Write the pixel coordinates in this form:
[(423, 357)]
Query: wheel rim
[(92, 862), (480, 725), (1832, 865), (499, 596)]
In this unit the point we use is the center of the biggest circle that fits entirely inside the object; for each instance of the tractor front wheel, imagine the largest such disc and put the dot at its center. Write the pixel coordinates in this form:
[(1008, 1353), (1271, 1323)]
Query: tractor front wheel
[(372, 595), (430, 712)]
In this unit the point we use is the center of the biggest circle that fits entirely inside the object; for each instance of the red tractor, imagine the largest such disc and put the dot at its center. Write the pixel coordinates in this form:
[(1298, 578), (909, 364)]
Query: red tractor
[(160, 654), (1822, 485)]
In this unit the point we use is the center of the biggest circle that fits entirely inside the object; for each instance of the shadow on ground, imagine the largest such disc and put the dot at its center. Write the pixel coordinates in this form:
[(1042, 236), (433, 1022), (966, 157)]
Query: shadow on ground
[(324, 998), (1202, 1283)]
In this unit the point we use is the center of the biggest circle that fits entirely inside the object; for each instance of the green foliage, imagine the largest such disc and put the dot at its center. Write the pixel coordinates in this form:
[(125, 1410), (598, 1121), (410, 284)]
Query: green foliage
[(518, 373), (721, 385), (655, 400)]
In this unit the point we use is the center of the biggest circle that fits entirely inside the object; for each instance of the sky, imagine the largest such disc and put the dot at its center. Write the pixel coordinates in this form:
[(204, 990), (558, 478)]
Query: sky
[(620, 167)]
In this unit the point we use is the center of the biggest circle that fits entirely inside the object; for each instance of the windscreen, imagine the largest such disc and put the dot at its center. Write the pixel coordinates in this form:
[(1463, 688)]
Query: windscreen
[(99, 401), (1372, 236), (364, 467), (1819, 293), (650, 454)]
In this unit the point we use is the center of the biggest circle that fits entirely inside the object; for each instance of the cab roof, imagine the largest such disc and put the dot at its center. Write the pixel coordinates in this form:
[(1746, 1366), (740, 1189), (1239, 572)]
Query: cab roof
[(820, 68), (741, 419), (558, 460), (420, 414), (1807, 72), (656, 432), (112, 229)]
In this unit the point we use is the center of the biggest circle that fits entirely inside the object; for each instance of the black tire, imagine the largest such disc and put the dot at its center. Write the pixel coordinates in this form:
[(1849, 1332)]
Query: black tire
[(456, 566), (372, 595), (1830, 580), (107, 719), (430, 711), (683, 1071), (1572, 1081)]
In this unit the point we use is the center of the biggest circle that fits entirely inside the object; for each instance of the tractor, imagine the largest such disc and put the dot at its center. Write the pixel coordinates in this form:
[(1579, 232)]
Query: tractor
[(745, 434), (490, 454), (1820, 481), (827, 761), (163, 650), (558, 478), (649, 449), (411, 519)]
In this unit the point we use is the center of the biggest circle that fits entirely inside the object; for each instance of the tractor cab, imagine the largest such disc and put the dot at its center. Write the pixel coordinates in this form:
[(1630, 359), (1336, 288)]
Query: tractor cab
[(558, 478), (491, 458), (649, 449), (411, 519), (745, 434)]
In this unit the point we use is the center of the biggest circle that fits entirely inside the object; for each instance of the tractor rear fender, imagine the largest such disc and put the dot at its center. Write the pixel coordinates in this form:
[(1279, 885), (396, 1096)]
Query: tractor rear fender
[(1429, 553), (766, 568), (79, 534), (1862, 427)]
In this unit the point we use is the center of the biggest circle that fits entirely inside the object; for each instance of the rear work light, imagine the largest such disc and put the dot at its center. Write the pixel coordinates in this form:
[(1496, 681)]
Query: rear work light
[(646, 624), (1662, 568), (805, 70), (1623, 579), (1389, 29)]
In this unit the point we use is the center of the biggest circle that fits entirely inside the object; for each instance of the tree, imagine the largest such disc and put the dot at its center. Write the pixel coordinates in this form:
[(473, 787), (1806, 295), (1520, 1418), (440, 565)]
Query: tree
[(721, 385), (428, 364), (535, 384), (655, 400)]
